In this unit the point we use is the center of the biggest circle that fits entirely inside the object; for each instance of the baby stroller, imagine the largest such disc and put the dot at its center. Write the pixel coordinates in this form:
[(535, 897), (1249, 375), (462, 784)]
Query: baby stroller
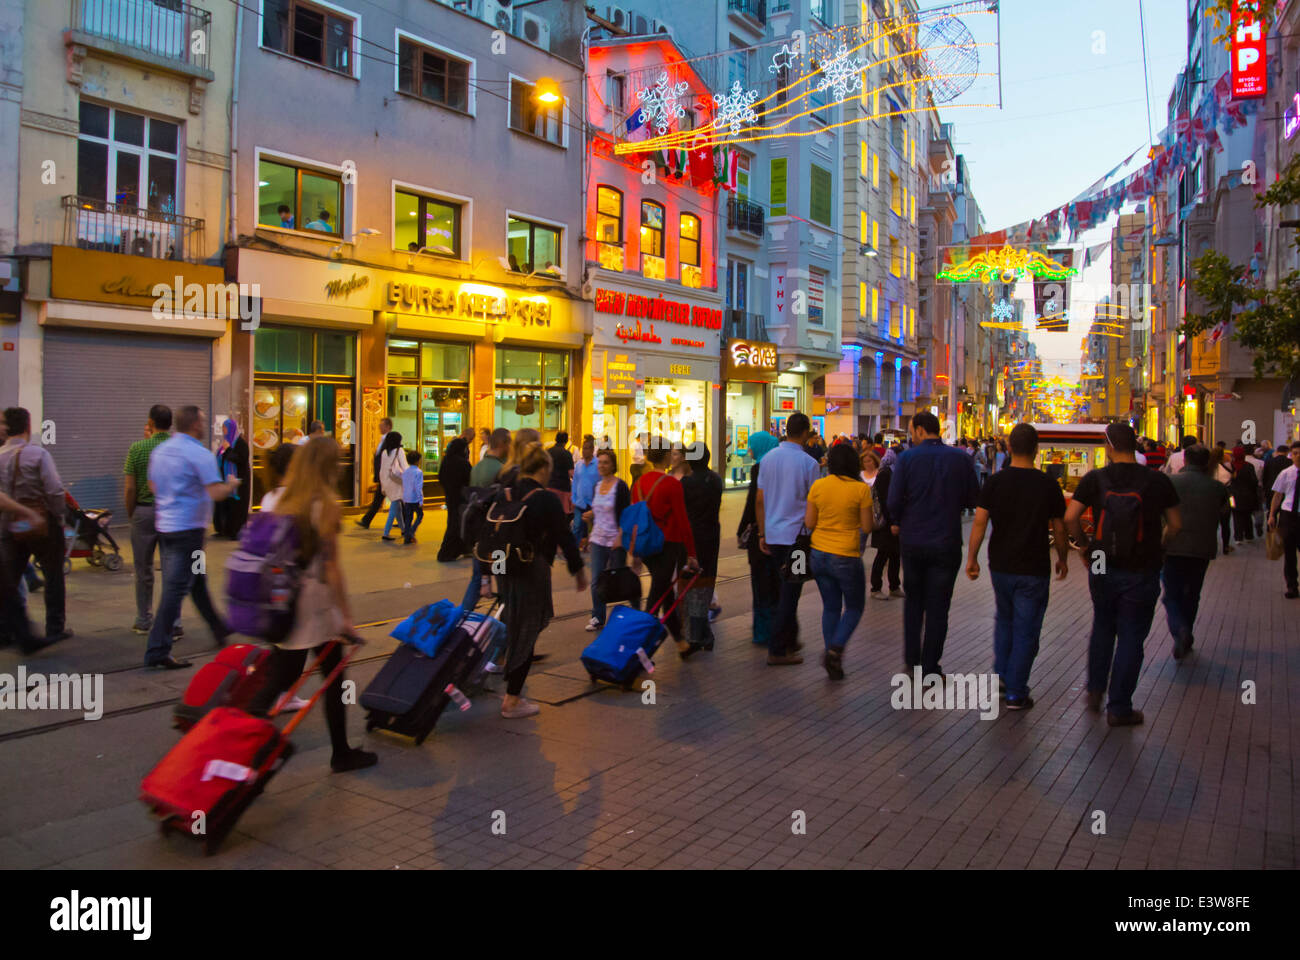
[(85, 532)]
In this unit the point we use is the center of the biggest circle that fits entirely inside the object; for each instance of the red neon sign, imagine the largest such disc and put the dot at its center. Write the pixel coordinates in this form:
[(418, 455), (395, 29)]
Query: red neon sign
[(1249, 55)]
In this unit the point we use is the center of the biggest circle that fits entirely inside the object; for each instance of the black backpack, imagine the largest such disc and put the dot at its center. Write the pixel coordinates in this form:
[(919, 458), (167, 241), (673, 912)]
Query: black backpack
[(473, 513), (1120, 525), (502, 544)]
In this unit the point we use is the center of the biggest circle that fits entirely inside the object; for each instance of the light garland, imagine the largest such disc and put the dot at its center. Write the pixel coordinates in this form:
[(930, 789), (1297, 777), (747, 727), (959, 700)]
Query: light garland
[(1008, 265)]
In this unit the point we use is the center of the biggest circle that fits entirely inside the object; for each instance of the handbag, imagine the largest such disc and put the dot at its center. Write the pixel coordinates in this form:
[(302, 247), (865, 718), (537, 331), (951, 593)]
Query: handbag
[(798, 566), (1273, 543), (619, 585), (27, 535)]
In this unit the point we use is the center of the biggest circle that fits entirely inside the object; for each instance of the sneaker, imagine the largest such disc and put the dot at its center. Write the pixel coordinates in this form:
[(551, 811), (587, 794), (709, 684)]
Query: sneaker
[(524, 708), (1131, 719), (714, 613), (142, 626), (784, 660), (1024, 703), (833, 661), (292, 706), (494, 667), (897, 594), (593, 625), (879, 595)]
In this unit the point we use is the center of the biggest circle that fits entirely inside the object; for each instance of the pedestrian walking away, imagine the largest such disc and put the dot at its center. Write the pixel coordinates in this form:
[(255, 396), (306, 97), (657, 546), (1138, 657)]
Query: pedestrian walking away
[(877, 475), (454, 476), (837, 516), (1203, 501), (484, 474), (140, 512), (932, 485), (788, 474), (323, 612), (764, 583), (1284, 519), (1128, 502), (562, 473), (185, 481), (702, 494), (1023, 504), (610, 496), (1244, 491), (1220, 469), (28, 475), (377, 496)]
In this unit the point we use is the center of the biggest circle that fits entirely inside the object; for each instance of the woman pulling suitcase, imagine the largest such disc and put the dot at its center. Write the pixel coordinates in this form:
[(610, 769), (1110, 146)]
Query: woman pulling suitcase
[(527, 594)]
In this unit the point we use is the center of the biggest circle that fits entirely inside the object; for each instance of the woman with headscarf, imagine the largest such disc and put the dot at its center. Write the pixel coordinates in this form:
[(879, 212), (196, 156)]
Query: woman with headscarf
[(392, 461), (702, 490), (764, 581), (1244, 488), (453, 474), (229, 515)]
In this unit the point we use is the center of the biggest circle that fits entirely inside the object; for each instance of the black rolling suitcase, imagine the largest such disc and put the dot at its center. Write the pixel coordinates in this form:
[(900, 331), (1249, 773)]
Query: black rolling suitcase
[(411, 691)]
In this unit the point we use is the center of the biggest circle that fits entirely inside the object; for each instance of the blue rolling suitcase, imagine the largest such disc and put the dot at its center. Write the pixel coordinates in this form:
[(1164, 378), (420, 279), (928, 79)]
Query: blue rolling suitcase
[(623, 649)]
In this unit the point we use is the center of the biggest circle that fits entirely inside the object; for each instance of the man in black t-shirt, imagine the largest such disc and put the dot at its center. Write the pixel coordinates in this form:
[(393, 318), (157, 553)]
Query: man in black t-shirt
[(1128, 502), (1023, 503)]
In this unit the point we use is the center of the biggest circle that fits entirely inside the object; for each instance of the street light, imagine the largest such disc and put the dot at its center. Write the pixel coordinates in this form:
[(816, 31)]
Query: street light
[(867, 250), (547, 92)]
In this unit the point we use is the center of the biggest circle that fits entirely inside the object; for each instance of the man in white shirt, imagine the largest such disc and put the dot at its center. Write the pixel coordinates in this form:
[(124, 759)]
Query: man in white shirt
[(1175, 461), (377, 500), (1284, 515)]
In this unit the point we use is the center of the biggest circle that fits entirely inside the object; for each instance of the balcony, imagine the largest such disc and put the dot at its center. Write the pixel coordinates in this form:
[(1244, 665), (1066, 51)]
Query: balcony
[(754, 9), (118, 228), (157, 31), (745, 216), (745, 326)]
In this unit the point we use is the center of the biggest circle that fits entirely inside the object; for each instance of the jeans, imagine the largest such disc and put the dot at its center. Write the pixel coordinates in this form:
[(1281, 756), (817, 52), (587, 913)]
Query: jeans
[(764, 591), (144, 541), (885, 556), (475, 588), (843, 585), (1123, 606), (412, 517), (49, 553), (1183, 577), (929, 575), (395, 514), (785, 631), (601, 558), (579, 526), (179, 579), (1021, 602)]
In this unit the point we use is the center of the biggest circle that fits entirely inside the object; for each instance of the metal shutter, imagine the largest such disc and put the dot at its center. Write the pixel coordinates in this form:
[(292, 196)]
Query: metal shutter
[(98, 391)]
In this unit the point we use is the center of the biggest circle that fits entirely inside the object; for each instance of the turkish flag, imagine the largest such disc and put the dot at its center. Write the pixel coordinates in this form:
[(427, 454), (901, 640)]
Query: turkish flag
[(701, 165)]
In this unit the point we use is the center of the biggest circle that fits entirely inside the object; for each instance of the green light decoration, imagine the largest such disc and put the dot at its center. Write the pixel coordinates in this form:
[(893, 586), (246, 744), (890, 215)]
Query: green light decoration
[(1007, 265)]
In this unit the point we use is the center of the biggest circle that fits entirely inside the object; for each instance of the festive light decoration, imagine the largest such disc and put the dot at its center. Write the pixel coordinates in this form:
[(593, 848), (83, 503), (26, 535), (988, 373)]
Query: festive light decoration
[(662, 103), (1002, 310), (783, 59), (840, 74), (1007, 265), (735, 109)]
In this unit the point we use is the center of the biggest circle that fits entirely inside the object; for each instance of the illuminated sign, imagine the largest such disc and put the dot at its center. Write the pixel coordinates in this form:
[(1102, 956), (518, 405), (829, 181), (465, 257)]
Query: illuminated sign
[(657, 309), (620, 375), (1008, 265), (749, 360), (472, 301), (1249, 56), (343, 288), (1291, 118)]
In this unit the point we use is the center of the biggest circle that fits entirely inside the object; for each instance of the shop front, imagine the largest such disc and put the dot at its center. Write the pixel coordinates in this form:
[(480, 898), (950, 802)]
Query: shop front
[(748, 370), (120, 333), (655, 370)]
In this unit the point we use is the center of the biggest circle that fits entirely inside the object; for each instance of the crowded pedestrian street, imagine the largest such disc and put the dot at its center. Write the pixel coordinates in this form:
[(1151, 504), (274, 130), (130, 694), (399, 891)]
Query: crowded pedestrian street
[(710, 774)]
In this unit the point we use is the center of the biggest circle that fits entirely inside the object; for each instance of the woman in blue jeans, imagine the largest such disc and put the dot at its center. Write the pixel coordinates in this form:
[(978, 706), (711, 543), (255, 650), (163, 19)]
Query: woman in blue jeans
[(608, 500), (838, 514)]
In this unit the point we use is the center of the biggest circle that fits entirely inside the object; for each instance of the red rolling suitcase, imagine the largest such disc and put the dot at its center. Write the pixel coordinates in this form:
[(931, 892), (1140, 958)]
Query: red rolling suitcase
[(230, 680), (205, 783)]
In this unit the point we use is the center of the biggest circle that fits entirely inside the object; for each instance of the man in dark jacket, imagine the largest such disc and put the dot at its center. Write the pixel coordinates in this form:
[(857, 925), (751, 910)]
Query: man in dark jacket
[(377, 500), (1188, 554), (1274, 465)]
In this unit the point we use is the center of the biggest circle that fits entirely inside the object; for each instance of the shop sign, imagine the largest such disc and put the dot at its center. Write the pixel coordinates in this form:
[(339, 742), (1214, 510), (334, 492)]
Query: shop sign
[(344, 288), (1291, 118), (620, 375), (100, 277), (1249, 56), (597, 401), (470, 301), (749, 360), (657, 309)]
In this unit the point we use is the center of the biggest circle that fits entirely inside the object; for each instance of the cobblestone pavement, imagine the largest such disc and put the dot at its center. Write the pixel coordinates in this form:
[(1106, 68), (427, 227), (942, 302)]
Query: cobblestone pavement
[(726, 763)]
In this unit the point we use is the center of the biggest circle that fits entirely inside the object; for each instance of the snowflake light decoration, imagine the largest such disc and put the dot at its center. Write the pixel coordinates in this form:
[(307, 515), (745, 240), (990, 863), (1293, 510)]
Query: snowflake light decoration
[(1090, 368), (1049, 307), (841, 75), (1002, 310), (662, 104), (735, 108)]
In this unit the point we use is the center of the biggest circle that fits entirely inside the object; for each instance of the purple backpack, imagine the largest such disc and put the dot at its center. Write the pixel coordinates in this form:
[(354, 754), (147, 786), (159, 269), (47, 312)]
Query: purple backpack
[(263, 578)]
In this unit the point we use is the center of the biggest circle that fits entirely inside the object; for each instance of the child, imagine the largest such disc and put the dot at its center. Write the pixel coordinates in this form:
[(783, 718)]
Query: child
[(412, 496)]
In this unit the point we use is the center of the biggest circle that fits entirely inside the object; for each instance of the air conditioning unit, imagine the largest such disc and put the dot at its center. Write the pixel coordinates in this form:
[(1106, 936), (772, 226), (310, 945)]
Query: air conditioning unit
[(659, 26), (618, 17), (640, 24), (497, 14), (533, 28)]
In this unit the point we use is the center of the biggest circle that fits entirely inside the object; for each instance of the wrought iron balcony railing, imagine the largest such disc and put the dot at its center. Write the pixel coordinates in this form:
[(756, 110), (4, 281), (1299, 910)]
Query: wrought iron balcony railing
[(121, 228), (745, 326), (171, 29), (745, 216), (754, 8)]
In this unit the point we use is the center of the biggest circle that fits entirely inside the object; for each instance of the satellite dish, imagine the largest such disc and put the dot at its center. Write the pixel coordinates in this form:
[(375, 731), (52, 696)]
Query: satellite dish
[(949, 57)]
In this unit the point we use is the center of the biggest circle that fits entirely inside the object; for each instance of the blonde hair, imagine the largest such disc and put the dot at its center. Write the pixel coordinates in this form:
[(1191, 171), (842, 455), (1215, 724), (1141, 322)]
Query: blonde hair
[(534, 459), (523, 437), (870, 455), (312, 479)]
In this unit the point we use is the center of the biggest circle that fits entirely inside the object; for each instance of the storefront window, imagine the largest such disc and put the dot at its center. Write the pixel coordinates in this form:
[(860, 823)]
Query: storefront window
[(428, 399), (744, 418), (532, 390), (677, 410), (302, 375)]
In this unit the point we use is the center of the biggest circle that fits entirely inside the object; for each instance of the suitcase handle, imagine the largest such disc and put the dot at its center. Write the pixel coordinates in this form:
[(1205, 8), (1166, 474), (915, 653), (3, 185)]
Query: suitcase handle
[(671, 587)]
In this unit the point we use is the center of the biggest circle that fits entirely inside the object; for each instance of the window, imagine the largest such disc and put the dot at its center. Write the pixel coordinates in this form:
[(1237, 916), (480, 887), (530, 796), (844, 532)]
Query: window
[(528, 116), (875, 170), (875, 304), (913, 256), (862, 226), (295, 198), (895, 260), (532, 389), (738, 285), (862, 301), (896, 322), (819, 9), (428, 398), (816, 296), (688, 245), (895, 194), (426, 223), (309, 33), (817, 100), (127, 159), (533, 247), (615, 92), (738, 66), (914, 208), (864, 157), (819, 203), (652, 240), (742, 175), (609, 227), (432, 75), (875, 234), (777, 189)]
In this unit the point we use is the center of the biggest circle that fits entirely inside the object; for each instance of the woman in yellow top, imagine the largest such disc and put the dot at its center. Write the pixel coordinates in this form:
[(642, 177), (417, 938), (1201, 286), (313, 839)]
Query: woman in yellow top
[(838, 514)]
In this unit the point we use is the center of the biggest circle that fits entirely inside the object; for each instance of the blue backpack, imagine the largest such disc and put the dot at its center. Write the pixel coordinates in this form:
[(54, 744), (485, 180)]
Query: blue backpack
[(428, 627), (641, 535)]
